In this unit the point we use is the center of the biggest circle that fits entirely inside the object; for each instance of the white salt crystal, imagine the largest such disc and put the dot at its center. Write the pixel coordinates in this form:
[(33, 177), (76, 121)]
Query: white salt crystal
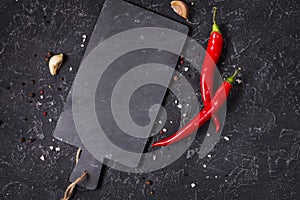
[(226, 138), (42, 158)]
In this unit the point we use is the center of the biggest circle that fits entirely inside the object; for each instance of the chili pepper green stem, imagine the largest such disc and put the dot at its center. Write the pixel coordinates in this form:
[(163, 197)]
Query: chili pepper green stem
[(231, 78), (214, 15), (215, 27)]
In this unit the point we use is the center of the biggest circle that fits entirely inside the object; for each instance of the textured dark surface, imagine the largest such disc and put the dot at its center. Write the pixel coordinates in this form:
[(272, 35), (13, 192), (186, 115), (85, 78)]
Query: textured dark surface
[(261, 158)]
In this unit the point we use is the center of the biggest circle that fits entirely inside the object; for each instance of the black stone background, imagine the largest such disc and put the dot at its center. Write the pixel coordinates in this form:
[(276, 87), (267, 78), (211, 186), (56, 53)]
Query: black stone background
[(261, 159)]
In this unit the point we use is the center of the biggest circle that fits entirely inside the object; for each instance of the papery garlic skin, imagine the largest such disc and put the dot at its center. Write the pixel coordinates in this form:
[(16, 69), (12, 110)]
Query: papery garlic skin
[(55, 63), (180, 8)]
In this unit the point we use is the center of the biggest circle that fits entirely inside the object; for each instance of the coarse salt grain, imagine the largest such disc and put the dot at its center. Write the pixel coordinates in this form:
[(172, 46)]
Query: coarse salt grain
[(84, 36), (186, 69), (42, 97), (154, 157), (209, 155), (193, 185), (82, 45), (160, 122), (164, 130), (179, 106), (50, 120), (226, 138), (51, 148), (239, 81), (57, 149), (204, 166), (42, 158), (70, 69)]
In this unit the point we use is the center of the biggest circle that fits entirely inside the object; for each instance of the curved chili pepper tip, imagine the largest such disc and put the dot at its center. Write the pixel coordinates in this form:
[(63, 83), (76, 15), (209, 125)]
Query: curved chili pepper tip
[(216, 122), (231, 78)]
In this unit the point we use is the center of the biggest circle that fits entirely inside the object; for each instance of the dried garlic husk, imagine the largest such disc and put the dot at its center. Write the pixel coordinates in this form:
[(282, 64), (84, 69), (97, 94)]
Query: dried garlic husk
[(180, 8), (55, 63)]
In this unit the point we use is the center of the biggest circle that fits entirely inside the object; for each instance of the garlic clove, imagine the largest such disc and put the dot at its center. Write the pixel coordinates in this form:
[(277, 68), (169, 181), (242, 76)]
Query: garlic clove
[(180, 8), (55, 63)]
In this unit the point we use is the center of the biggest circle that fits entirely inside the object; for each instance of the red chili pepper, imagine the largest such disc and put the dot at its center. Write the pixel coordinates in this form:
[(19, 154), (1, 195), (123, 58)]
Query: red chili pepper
[(203, 116), (214, 49)]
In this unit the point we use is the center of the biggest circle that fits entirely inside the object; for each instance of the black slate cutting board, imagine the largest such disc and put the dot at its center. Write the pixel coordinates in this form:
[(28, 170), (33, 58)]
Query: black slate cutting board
[(116, 17)]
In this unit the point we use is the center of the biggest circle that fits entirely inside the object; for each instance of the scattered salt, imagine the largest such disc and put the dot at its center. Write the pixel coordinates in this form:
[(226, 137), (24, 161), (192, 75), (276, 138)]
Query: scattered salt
[(42, 158), (239, 81), (154, 157), (226, 138)]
